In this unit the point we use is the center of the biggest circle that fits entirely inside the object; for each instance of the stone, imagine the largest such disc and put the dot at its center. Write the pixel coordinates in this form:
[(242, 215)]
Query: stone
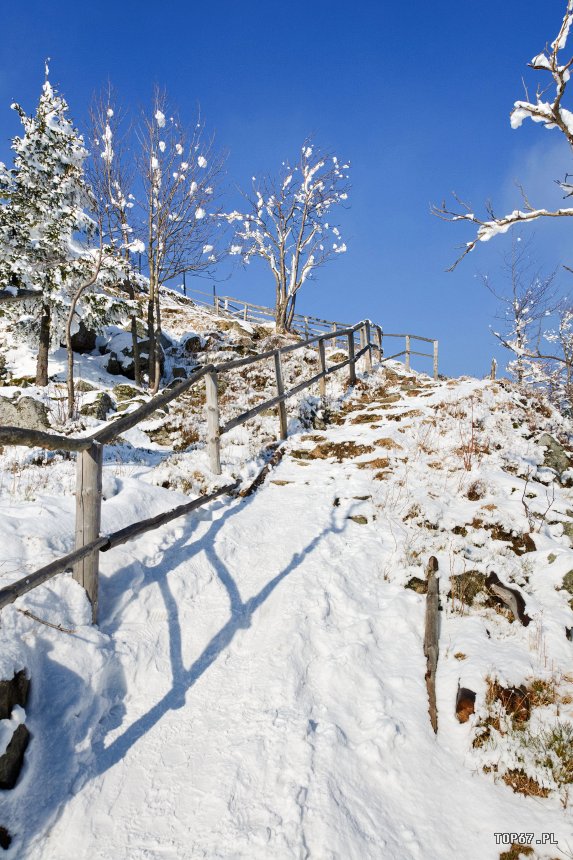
[(193, 344), (5, 839), (25, 412), (13, 691), (84, 340), (179, 373), (125, 392), (420, 586), (555, 456), (465, 587), (13, 759), (99, 407)]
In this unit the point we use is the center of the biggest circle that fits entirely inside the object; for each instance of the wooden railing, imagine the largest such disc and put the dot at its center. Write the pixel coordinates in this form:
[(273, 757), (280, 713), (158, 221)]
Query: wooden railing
[(84, 560), (304, 325)]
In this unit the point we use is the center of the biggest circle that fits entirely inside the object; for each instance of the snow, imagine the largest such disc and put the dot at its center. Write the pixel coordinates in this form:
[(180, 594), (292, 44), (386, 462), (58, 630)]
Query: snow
[(202, 161), (255, 686), (160, 118)]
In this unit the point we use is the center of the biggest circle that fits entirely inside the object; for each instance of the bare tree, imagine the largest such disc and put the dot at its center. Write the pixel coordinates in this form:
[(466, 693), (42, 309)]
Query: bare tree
[(526, 307), (111, 176), (178, 221), (286, 224), (551, 114)]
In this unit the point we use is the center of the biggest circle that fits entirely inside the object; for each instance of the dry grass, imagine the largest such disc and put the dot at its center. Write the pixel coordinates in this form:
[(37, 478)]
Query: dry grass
[(386, 442), (377, 463), (523, 784)]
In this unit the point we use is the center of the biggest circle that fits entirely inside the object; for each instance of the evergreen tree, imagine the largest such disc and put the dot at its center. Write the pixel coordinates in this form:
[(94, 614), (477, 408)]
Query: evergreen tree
[(46, 234)]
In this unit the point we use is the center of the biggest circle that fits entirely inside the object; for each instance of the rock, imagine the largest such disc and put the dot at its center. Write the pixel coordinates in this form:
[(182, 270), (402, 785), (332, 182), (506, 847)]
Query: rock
[(179, 373), (5, 839), (99, 407), (358, 518), (84, 340), (13, 692), (193, 343), (25, 412), (13, 759), (125, 392), (83, 386), (465, 704), (420, 586), (555, 456)]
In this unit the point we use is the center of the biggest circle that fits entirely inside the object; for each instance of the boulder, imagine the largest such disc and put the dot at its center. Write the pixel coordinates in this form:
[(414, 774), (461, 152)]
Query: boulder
[(13, 691), (99, 407), (84, 340), (555, 456), (125, 392), (25, 412), (13, 759)]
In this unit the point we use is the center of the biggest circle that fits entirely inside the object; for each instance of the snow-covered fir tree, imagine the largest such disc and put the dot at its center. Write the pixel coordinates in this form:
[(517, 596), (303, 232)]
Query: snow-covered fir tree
[(47, 237)]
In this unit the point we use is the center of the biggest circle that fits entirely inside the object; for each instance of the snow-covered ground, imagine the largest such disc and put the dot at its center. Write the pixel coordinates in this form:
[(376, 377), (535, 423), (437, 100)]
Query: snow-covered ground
[(255, 687)]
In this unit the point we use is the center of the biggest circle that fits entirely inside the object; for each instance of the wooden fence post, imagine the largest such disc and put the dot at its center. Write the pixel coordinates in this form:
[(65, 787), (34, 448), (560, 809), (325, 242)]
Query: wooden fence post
[(407, 361), (368, 354), (435, 359), (212, 407), (493, 368), (216, 304), (322, 359), (280, 392), (245, 316), (352, 365), (88, 519), (431, 638), (334, 329), (378, 338)]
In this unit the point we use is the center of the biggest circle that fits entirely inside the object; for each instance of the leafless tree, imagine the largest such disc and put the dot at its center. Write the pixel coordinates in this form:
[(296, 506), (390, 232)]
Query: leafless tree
[(551, 114), (286, 224), (112, 176), (526, 306), (179, 224)]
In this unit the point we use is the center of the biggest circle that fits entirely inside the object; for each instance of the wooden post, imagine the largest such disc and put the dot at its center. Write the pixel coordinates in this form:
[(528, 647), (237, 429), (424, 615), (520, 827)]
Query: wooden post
[(280, 392), (435, 359), (334, 329), (245, 317), (212, 407), (216, 304), (88, 519), (226, 305), (306, 327), (368, 354), (407, 361), (352, 365), (322, 359), (431, 638), (378, 340), (493, 368)]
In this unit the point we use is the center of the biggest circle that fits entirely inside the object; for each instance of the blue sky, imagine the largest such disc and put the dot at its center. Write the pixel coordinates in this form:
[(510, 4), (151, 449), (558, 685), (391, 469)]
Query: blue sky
[(415, 95)]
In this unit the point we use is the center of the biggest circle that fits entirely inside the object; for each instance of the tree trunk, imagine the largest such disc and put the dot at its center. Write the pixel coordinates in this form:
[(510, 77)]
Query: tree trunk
[(43, 347), (290, 311), (151, 340), (157, 345)]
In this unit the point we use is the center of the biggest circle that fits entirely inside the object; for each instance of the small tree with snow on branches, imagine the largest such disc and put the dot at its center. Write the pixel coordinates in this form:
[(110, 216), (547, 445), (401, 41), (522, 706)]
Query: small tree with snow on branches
[(551, 114), (287, 225), (46, 232)]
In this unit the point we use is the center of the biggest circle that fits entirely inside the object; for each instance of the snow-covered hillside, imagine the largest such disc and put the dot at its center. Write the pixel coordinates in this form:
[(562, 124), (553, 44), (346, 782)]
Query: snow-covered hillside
[(255, 687)]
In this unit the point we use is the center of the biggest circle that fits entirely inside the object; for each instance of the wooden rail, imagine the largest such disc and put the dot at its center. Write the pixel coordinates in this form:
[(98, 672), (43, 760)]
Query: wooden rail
[(84, 560)]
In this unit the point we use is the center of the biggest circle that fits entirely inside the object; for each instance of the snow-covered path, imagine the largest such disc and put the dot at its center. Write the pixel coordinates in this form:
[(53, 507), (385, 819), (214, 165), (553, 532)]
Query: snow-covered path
[(262, 692)]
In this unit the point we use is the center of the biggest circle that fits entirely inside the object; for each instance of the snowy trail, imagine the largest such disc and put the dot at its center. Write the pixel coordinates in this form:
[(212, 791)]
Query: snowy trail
[(265, 693)]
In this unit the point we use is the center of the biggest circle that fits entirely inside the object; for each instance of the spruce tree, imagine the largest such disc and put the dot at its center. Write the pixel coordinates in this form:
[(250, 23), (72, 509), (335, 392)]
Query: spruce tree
[(47, 237)]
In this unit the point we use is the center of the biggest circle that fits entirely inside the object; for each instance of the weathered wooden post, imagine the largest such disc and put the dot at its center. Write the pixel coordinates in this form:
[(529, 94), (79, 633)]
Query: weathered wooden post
[(493, 368), (306, 327), (378, 340), (368, 353), (352, 365), (322, 359), (212, 407), (431, 638), (407, 361), (88, 519), (216, 304), (334, 329), (280, 392), (245, 315), (435, 359)]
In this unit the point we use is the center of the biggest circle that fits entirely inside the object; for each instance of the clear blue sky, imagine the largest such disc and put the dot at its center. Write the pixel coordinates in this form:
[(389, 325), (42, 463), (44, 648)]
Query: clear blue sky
[(415, 95)]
